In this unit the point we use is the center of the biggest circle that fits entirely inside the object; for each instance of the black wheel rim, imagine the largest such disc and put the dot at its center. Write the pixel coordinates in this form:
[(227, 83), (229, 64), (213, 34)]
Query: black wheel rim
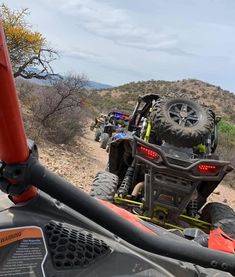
[(184, 114)]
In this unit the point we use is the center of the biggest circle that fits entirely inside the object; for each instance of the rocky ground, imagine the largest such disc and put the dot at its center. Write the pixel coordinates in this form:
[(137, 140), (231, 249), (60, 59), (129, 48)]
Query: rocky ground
[(79, 164)]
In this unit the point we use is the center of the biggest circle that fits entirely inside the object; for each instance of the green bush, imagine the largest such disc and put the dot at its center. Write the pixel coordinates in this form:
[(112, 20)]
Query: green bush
[(226, 147), (226, 129)]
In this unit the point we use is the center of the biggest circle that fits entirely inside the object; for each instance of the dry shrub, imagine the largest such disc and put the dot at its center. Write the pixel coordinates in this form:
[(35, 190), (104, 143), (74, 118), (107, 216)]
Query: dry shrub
[(25, 91), (58, 108), (65, 128), (57, 112)]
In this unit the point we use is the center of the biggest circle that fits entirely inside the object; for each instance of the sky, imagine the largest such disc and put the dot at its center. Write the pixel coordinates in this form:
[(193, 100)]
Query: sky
[(120, 41)]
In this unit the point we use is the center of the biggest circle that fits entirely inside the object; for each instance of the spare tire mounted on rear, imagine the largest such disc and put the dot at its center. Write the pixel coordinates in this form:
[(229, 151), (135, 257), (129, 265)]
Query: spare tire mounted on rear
[(181, 122)]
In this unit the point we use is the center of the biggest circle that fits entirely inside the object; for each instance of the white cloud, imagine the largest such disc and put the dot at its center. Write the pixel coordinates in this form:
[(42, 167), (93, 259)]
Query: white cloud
[(106, 21), (79, 54), (118, 41), (110, 63)]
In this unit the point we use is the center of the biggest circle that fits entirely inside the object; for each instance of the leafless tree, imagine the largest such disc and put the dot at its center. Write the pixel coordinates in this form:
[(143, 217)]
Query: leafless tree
[(58, 107), (38, 66)]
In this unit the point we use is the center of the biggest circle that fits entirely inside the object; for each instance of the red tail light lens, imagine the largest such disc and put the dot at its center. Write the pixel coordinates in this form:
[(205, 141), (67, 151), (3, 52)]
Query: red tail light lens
[(208, 168), (148, 153)]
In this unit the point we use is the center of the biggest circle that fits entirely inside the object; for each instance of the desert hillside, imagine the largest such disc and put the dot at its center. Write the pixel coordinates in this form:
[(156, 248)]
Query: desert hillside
[(123, 97)]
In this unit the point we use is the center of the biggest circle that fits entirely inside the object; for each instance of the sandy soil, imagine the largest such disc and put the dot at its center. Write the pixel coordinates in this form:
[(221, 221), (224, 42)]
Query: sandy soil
[(78, 164), (81, 163)]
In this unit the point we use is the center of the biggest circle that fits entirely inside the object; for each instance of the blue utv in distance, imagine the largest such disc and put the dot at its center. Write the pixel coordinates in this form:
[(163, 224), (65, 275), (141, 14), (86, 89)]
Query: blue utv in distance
[(116, 122)]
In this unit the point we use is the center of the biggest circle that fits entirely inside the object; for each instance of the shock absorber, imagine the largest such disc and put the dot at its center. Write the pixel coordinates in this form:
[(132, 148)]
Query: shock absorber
[(144, 128), (208, 144), (126, 182), (192, 208)]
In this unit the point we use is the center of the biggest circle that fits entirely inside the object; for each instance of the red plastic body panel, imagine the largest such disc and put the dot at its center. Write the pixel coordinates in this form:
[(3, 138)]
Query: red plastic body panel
[(218, 240), (13, 143), (127, 215)]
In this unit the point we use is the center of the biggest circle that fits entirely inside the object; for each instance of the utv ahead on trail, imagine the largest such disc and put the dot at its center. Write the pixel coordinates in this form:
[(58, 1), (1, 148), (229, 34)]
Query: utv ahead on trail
[(115, 122), (165, 168), (48, 227), (99, 121)]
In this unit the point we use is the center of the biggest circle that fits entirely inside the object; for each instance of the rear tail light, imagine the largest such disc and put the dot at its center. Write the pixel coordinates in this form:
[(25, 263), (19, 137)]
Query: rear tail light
[(147, 153), (121, 115), (208, 168)]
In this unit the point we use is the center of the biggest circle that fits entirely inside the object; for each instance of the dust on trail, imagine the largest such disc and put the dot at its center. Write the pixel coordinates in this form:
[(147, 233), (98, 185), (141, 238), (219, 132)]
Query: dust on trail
[(81, 163)]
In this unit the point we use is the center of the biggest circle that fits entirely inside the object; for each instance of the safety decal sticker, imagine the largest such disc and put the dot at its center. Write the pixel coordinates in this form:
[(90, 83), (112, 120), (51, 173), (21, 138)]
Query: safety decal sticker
[(22, 252)]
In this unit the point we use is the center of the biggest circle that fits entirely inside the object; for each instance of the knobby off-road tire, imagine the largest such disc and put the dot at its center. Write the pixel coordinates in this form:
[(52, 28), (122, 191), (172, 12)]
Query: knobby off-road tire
[(181, 122), (97, 134), (107, 147), (92, 126), (104, 186), (220, 216), (104, 140), (107, 167)]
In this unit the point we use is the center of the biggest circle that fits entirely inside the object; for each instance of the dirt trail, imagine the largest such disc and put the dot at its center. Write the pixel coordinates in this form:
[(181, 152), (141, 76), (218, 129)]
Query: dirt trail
[(97, 155), (80, 165)]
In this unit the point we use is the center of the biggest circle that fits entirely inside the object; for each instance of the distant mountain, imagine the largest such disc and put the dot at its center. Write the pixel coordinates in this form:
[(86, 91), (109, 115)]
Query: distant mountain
[(95, 85), (91, 85), (40, 82)]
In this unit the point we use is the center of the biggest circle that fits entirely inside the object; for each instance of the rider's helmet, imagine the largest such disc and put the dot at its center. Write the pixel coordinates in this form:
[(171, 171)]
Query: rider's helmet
[(120, 123), (102, 118)]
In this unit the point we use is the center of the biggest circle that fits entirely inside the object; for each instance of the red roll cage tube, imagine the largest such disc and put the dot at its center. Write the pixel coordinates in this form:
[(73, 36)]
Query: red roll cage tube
[(13, 142)]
